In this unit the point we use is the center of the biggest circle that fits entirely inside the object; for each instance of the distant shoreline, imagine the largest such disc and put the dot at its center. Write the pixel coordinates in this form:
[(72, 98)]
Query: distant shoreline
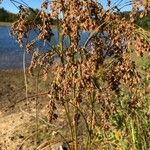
[(8, 24), (5, 24)]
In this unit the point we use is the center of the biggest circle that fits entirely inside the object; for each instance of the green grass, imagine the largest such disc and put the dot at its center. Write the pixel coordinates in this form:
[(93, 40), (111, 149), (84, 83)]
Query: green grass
[(5, 24)]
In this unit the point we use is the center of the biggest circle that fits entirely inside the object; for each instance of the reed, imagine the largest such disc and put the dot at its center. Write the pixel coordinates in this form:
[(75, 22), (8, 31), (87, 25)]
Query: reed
[(101, 89)]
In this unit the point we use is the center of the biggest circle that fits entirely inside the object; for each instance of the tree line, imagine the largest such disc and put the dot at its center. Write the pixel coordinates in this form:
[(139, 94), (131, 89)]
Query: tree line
[(143, 22), (6, 16)]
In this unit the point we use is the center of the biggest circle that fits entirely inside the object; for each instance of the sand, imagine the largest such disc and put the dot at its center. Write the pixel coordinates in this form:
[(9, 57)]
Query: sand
[(17, 119)]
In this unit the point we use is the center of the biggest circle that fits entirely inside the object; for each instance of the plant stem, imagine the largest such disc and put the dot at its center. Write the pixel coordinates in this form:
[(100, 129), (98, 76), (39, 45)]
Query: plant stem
[(67, 111), (25, 75), (36, 107)]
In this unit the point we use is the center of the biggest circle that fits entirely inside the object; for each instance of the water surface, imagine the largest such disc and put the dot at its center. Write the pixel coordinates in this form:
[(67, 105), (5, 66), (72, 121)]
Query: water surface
[(11, 54)]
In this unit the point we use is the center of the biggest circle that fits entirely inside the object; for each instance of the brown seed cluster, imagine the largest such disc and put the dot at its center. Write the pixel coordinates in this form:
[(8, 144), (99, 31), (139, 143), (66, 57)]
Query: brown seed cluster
[(87, 79), (21, 27)]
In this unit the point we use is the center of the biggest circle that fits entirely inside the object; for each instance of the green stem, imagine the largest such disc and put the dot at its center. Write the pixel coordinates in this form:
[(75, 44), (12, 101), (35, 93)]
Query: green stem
[(133, 134), (67, 111)]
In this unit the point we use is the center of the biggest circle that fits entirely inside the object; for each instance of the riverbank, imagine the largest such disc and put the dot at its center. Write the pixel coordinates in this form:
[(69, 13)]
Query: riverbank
[(17, 119), (5, 24), (12, 89)]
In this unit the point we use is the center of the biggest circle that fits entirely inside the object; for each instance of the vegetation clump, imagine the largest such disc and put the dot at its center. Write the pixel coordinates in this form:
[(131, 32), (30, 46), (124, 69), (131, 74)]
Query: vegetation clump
[(98, 84)]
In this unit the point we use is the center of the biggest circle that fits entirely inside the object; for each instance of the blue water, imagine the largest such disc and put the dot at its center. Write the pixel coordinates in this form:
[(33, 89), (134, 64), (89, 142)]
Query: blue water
[(11, 54)]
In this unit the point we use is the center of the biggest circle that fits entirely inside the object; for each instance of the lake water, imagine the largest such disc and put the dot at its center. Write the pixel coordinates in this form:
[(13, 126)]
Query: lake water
[(11, 54)]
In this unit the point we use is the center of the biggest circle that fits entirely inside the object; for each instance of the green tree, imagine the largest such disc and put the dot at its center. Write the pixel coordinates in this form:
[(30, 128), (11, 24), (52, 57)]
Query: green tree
[(6, 16)]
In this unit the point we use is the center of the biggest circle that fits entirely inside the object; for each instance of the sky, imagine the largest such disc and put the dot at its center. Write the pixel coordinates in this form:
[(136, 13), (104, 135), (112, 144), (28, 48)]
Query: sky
[(8, 5)]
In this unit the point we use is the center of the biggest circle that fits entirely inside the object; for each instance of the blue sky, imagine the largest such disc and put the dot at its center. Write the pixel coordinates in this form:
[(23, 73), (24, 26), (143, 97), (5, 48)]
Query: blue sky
[(7, 4), (36, 4)]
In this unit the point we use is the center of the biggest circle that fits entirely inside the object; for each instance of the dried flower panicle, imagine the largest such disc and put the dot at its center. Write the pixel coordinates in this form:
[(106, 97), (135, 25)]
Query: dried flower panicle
[(88, 79)]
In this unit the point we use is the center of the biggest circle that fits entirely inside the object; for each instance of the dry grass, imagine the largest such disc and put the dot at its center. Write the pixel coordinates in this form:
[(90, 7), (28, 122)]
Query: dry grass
[(5, 23), (102, 92)]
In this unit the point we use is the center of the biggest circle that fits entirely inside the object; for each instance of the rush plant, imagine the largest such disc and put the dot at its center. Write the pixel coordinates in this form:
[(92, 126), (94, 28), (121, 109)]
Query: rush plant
[(99, 85)]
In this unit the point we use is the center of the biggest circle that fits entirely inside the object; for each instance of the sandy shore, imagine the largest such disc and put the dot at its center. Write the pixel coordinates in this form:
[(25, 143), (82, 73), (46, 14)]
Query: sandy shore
[(11, 88), (17, 120)]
